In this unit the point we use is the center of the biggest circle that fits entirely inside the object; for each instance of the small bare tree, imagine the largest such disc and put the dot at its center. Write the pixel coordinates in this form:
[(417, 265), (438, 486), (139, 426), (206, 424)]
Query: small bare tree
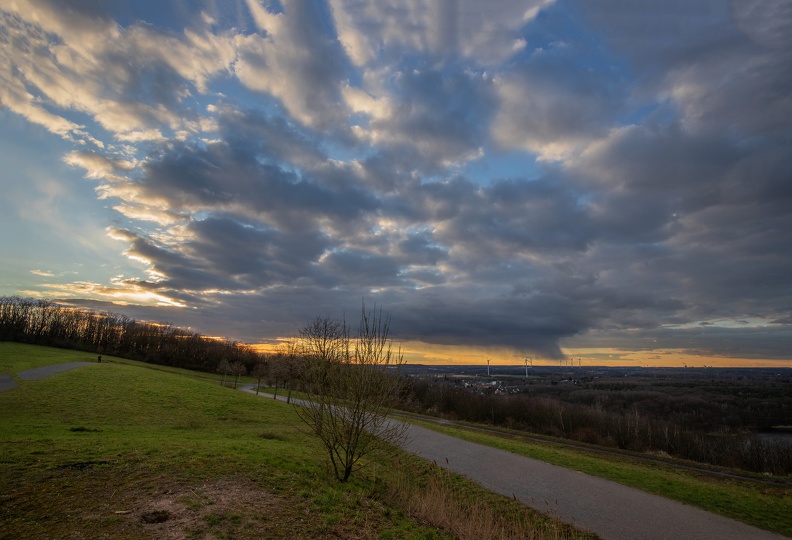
[(237, 369), (285, 369), (224, 367), (260, 371), (351, 386)]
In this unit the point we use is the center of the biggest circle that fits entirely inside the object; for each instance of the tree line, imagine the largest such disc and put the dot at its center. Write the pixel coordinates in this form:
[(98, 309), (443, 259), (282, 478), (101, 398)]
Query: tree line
[(628, 429), (42, 322)]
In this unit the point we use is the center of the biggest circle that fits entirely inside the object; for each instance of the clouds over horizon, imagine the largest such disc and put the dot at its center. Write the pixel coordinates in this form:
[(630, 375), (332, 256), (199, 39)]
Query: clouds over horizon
[(524, 176)]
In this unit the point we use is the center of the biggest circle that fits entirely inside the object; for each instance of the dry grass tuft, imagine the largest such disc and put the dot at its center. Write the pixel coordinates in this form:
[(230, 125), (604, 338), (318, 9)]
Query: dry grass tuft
[(441, 499)]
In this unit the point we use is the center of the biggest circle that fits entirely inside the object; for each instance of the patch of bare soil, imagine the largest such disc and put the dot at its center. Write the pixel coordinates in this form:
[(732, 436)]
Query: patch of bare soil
[(226, 508)]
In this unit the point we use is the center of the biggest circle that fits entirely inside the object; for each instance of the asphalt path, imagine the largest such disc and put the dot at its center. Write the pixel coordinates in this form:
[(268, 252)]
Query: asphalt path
[(7, 381), (611, 510), (52, 369)]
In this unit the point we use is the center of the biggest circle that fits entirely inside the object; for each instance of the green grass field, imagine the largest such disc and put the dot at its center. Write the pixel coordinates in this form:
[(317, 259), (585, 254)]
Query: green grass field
[(126, 450)]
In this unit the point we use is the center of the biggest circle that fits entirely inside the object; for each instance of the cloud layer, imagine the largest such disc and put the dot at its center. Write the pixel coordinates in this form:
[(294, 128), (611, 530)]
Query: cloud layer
[(518, 176)]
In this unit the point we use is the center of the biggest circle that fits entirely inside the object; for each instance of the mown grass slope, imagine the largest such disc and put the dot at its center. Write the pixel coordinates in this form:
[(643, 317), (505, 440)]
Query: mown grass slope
[(120, 450)]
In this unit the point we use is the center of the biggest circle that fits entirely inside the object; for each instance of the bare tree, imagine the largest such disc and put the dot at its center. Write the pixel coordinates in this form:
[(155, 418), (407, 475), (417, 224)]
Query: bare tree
[(324, 344), (284, 369), (237, 369), (224, 367), (293, 367), (351, 386), (259, 371)]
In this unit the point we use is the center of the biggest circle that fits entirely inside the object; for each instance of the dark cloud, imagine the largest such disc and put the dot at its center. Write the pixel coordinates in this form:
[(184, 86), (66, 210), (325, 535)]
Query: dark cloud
[(252, 255), (174, 270), (359, 269), (517, 217), (222, 176), (452, 319), (272, 138), (421, 249), (558, 95), (697, 217), (702, 55), (759, 342), (442, 115)]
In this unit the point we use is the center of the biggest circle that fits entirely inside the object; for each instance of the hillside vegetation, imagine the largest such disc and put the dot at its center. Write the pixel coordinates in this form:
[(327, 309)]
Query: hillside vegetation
[(41, 322), (121, 450)]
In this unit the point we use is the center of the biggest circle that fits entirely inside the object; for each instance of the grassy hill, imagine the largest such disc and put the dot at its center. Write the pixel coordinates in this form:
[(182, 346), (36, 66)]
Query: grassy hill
[(126, 450)]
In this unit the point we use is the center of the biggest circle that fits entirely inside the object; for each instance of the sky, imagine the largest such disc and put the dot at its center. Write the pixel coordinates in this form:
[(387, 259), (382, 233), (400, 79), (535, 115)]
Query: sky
[(601, 180)]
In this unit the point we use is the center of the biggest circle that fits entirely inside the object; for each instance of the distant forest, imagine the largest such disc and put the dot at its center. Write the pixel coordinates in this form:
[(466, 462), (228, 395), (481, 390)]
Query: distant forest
[(42, 322)]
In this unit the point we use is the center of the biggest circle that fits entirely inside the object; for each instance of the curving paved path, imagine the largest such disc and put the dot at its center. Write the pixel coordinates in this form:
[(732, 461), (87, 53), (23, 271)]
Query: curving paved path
[(7, 381), (52, 369), (611, 510)]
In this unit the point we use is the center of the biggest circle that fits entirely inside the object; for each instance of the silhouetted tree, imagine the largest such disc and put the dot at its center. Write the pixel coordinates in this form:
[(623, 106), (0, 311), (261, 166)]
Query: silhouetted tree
[(351, 387), (237, 369), (224, 368), (260, 371)]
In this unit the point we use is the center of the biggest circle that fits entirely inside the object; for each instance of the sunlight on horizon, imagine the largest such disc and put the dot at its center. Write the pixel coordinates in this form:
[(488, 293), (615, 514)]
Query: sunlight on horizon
[(429, 354)]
